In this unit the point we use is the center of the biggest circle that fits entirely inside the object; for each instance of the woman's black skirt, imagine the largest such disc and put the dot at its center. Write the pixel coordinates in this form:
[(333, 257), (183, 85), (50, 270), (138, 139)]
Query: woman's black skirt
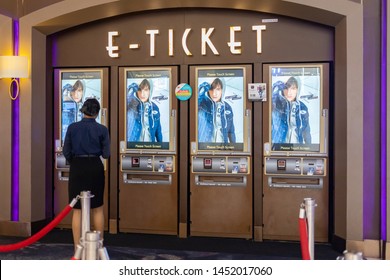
[(86, 174)]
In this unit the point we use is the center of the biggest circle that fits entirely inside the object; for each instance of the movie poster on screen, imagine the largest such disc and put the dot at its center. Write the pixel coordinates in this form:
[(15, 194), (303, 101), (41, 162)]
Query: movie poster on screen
[(148, 106), (296, 95), (76, 87), (220, 109)]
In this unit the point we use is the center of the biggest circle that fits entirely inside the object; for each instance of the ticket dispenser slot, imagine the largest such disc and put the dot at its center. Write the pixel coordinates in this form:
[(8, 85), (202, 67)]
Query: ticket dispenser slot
[(148, 179), (298, 182), (221, 181)]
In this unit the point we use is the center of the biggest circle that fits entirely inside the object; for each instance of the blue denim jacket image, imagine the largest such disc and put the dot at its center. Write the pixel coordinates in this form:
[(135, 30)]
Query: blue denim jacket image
[(281, 112), (135, 113), (207, 109)]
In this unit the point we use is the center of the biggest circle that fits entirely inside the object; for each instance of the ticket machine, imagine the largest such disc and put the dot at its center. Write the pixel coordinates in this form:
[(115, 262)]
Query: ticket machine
[(220, 133), (148, 184), (72, 87), (295, 148)]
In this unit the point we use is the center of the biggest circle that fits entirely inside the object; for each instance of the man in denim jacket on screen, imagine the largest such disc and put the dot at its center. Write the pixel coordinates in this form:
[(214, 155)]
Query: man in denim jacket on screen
[(143, 115), (290, 116), (215, 116)]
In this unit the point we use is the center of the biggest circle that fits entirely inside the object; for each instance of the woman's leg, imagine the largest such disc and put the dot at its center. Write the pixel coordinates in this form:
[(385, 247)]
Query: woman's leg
[(98, 220), (76, 226)]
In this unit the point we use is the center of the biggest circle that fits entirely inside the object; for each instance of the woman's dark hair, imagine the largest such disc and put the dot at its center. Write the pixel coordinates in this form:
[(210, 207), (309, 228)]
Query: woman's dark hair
[(91, 107)]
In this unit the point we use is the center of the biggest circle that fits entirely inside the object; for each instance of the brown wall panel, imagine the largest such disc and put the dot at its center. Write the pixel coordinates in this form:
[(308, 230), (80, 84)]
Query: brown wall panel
[(282, 41)]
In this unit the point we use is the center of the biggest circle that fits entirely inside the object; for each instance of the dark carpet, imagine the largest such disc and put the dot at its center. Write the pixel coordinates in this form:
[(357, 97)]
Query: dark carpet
[(58, 245)]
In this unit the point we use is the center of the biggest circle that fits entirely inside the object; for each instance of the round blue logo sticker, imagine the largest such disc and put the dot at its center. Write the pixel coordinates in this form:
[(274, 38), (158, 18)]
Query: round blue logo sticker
[(183, 92)]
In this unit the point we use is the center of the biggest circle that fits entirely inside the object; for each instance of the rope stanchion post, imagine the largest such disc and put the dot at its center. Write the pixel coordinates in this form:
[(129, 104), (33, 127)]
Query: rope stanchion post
[(91, 246), (310, 205), (78, 253), (303, 233), (351, 256), (306, 228), (103, 254), (92, 239), (85, 200)]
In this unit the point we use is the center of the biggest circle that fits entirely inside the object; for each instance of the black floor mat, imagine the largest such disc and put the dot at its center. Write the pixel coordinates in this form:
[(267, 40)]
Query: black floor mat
[(57, 245)]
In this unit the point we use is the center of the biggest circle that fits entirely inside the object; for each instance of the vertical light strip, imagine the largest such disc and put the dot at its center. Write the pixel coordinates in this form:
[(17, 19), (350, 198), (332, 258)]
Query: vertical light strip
[(15, 138), (383, 117)]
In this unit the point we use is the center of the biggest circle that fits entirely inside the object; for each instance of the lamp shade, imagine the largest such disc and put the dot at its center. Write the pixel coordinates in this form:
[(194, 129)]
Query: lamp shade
[(13, 67)]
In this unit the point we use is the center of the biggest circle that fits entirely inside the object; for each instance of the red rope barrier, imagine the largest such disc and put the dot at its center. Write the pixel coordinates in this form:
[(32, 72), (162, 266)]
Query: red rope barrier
[(39, 234), (304, 239)]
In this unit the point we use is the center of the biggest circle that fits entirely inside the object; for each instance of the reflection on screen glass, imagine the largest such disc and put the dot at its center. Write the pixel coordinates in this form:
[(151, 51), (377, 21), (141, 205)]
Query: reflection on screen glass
[(296, 108), (148, 109), (220, 109), (69, 112)]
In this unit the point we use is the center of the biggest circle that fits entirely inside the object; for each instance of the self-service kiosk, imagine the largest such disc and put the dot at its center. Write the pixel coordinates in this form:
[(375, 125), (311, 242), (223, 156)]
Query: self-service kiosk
[(72, 87), (221, 181), (148, 185), (295, 148)]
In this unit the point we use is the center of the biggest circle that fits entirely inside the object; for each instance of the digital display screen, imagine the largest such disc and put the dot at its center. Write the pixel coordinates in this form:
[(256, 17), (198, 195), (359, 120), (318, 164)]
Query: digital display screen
[(148, 107), (76, 87), (296, 105), (220, 109)]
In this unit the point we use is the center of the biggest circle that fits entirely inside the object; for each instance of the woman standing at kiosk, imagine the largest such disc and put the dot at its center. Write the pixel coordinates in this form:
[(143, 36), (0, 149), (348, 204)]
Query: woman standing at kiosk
[(85, 142)]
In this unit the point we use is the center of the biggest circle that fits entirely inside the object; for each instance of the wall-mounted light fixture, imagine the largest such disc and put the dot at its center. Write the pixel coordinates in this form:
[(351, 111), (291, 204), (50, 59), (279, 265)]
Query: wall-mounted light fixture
[(13, 67)]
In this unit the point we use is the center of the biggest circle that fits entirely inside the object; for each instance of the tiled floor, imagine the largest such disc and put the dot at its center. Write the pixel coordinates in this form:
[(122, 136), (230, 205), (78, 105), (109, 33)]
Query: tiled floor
[(57, 245)]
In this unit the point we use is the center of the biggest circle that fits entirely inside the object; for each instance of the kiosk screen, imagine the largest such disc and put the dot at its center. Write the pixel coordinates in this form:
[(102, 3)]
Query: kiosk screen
[(296, 105), (76, 87), (220, 108), (148, 107)]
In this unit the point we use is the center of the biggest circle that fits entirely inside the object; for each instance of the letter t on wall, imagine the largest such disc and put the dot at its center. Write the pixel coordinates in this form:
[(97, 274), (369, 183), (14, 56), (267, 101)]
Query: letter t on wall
[(258, 29)]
